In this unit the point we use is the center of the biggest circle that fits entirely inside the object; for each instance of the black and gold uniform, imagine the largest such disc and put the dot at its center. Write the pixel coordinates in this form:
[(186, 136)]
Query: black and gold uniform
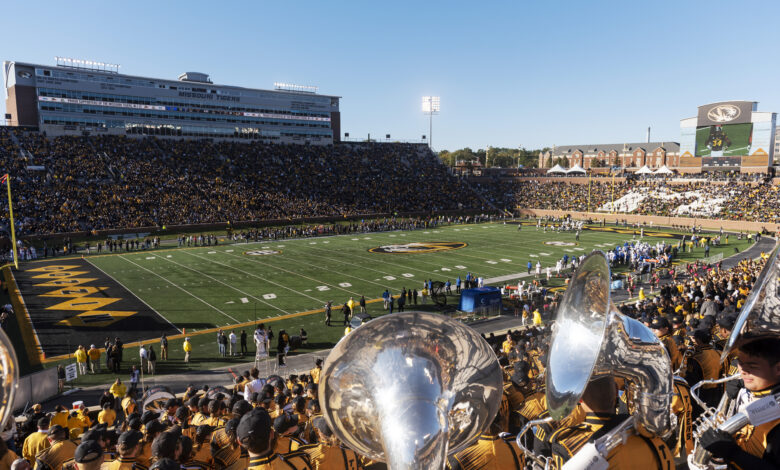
[(338, 457), (514, 398), (544, 431), (762, 441), (291, 461), (287, 444), (637, 453), (490, 452), (532, 408), (123, 463), (673, 349), (56, 455), (681, 442), (226, 454), (704, 365)]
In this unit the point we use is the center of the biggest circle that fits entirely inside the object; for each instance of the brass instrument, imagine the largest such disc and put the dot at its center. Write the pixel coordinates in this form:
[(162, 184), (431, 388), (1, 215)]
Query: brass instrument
[(410, 388), (9, 378), (759, 318), (591, 338)]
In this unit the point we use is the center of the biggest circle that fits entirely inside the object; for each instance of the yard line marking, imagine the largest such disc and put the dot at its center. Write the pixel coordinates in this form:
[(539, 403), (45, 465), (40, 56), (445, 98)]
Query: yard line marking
[(545, 254), (225, 284), (150, 257), (228, 251), (128, 289), (212, 252), (178, 287), (169, 256), (534, 256), (301, 275), (268, 280), (230, 302)]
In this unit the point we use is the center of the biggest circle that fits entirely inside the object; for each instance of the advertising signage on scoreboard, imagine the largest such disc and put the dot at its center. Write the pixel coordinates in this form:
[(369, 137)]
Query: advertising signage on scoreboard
[(726, 112)]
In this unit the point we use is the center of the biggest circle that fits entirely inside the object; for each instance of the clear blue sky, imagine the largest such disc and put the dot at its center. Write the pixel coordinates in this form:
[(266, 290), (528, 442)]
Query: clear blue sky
[(509, 73)]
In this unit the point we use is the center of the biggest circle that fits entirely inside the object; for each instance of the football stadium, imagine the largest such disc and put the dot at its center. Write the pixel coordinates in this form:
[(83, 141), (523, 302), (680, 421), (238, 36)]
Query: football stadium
[(213, 276)]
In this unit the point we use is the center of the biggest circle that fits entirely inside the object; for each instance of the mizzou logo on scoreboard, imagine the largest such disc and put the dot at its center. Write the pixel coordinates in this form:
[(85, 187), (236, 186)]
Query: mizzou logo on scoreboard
[(559, 243), (262, 252), (418, 247)]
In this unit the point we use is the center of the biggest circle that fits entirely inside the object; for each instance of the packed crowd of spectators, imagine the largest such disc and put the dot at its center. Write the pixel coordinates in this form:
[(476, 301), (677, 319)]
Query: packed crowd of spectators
[(68, 184), (748, 201)]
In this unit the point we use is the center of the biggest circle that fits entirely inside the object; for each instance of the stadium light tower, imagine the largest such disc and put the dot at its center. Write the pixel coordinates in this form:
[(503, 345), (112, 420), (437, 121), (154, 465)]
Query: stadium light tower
[(430, 106)]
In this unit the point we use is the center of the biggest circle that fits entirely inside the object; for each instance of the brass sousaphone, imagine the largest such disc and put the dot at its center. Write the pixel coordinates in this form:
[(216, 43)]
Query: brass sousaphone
[(591, 338), (410, 388)]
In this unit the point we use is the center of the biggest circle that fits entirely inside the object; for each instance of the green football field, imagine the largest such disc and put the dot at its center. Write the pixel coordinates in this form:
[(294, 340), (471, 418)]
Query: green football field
[(286, 283), (229, 284)]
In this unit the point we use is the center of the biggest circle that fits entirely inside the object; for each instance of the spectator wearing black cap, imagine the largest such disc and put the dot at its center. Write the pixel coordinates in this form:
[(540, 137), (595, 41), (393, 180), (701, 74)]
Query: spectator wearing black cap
[(203, 412), (225, 451), (704, 365), (182, 420), (171, 405), (37, 441), (129, 447), (166, 446), (200, 444), (153, 429), (662, 329), (60, 450), (89, 456), (287, 429), (256, 435)]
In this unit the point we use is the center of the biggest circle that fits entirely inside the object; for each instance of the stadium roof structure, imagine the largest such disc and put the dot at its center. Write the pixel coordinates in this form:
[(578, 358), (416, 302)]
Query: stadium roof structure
[(576, 169), (594, 149), (556, 169)]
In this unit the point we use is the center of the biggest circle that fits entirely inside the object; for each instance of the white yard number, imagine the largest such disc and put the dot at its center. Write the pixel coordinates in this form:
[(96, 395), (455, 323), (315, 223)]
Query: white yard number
[(407, 275), (389, 278), (269, 296), (345, 284), (323, 288)]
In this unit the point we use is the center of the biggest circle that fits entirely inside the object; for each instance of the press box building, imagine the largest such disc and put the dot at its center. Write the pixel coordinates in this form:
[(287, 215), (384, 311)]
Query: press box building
[(80, 97)]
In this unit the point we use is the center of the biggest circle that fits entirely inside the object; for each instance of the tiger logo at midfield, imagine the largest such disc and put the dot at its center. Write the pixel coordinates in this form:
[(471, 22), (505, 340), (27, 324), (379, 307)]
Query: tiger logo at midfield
[(418, 247)]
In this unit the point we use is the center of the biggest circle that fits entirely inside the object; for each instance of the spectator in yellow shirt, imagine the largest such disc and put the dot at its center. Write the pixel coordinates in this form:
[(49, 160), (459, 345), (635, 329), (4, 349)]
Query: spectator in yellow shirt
[(107, 416), (118, 390), (537, 318), (94, 359), (187, 349), (37, 441), (507, 345), (81, 359), (60, 416)]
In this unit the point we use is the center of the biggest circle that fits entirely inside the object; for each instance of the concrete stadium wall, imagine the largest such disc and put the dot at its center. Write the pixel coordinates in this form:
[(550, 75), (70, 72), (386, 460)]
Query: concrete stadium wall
[(712, 224), (35, 388)]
